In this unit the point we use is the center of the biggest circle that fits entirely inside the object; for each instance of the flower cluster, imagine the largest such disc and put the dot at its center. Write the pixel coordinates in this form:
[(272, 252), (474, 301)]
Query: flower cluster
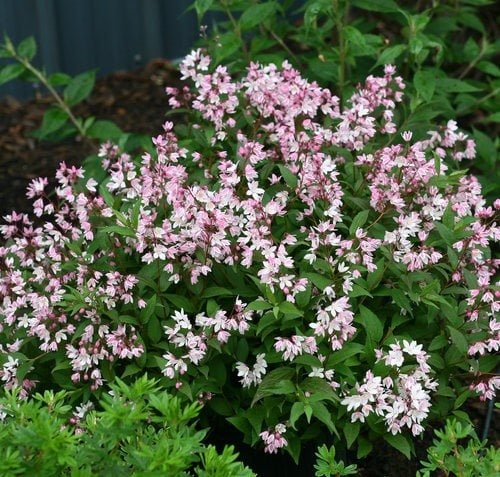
[(274, 439), (402, 400)]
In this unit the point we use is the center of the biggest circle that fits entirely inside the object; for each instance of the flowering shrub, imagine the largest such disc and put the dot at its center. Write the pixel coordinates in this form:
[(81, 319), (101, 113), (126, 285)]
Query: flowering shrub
[(283, 258)]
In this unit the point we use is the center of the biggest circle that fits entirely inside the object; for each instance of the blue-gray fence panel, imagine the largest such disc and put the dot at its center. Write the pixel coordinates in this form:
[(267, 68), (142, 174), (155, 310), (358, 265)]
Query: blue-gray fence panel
[(110, 35)]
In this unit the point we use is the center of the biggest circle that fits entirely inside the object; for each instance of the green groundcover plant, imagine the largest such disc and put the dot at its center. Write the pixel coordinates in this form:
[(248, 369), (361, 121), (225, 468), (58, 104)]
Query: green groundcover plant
[(295, 263), (448, 455), (139, 430)]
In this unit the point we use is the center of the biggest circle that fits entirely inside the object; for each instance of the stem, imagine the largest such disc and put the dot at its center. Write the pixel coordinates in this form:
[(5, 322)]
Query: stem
[(237, 30), (284, 46), (43, 79), (341, 42), (474, 61)]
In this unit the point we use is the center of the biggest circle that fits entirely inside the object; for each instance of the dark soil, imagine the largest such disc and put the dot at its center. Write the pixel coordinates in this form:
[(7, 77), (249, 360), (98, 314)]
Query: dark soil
[(136, 102)]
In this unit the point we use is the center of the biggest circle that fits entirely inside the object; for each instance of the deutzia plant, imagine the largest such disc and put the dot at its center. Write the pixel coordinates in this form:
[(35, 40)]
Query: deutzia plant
[(292, 262)]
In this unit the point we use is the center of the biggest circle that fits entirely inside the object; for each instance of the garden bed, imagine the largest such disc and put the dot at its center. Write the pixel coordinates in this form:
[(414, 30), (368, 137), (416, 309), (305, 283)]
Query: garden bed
[(135, 101)]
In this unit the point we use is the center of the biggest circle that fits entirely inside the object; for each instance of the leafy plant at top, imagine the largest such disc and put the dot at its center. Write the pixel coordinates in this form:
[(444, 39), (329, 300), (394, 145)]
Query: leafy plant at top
[(447, 48), (60, 121)]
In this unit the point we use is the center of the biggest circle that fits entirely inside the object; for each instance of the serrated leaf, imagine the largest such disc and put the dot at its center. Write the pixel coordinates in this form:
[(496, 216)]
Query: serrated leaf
[(27, 48), (359, 291), (319, 281), (290, 310), (438, 342), (229, 43), (321, 413), (217, 292)]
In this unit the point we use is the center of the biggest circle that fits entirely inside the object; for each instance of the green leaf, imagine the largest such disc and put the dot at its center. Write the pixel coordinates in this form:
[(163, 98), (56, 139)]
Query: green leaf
[(314, 9), (59, 79), (290, 310), (358, 221), (202, 7), (447, 234), (119, 230), (104, 130), (230, 43), (425, 84), (149, 309), (53, 120), (364, 447), (319, 389), (374, 278), (359, 291), (10, 72), (321, 412), (458, 339), (348, 350), (388, 55), (486, 149), (489, 68), (259, 305), (371, 323), (495, 117), (401, 443), (217, 292), (182, 302), (276, 382), (438, 342), (351, 432), (452, 85), (296, 411), (154, 329), (79, 88), (257, 14), (221, 406), (27, 48), (290, 178), (319, 281), (384, 6)]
